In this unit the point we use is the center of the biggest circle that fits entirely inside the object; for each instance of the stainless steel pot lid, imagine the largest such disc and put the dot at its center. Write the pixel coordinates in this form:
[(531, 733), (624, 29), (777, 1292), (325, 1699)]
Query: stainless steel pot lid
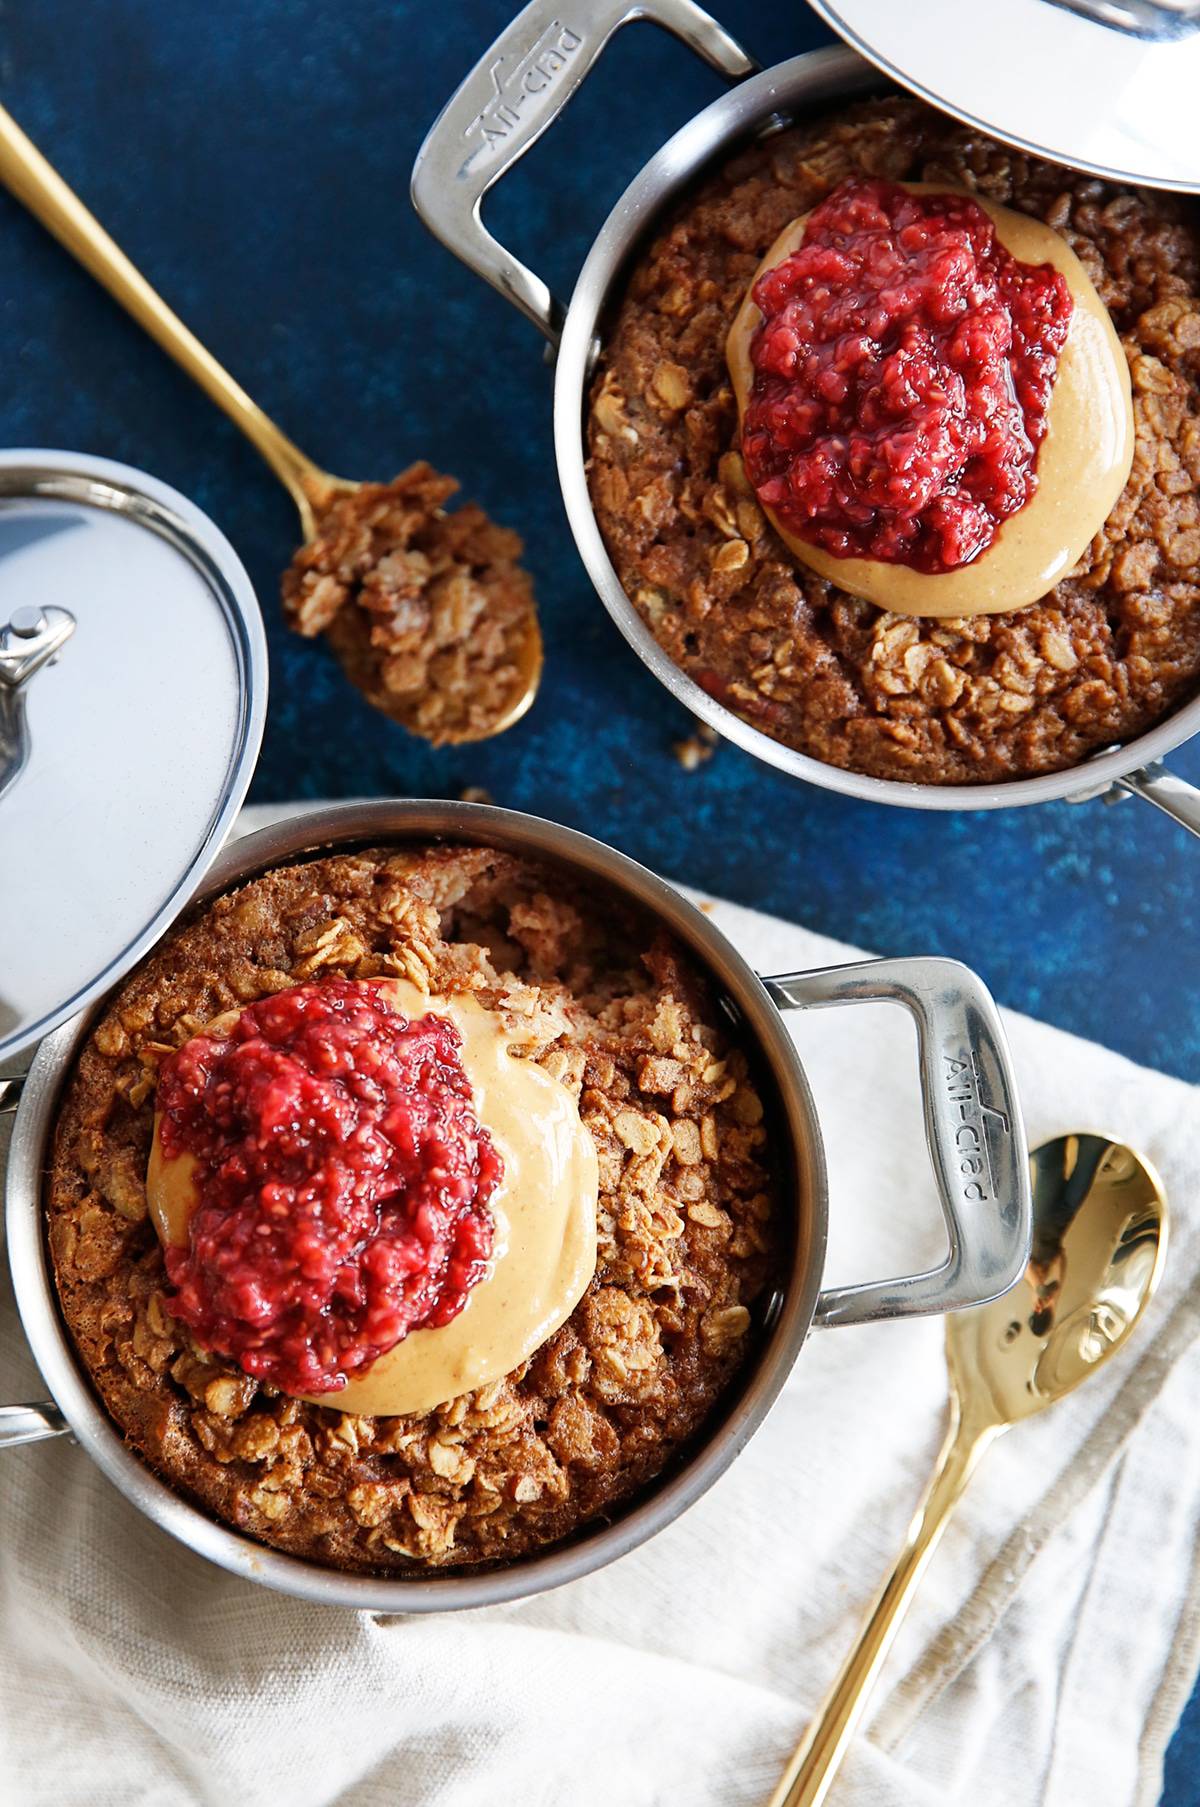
[(1103, 85), (133, 687)]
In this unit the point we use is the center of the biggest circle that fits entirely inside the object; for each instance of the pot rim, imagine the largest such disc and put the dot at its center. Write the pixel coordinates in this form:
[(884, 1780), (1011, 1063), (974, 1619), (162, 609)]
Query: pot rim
[(752, 106), (786, 1321)]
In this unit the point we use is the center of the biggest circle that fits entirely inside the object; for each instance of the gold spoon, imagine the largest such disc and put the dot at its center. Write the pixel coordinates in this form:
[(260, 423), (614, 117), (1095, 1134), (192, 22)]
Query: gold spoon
[(38, 186), (1099, 1239)]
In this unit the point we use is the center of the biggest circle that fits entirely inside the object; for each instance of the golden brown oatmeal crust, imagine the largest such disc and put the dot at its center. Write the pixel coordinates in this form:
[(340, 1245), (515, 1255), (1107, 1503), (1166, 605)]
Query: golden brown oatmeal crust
[(1105, 655), (687, 1220), (428, 610)]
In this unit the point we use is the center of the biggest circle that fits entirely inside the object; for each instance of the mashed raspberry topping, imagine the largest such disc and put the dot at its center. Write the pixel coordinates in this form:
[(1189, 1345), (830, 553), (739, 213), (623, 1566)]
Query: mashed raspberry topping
[(342, 1182), (902, 375)]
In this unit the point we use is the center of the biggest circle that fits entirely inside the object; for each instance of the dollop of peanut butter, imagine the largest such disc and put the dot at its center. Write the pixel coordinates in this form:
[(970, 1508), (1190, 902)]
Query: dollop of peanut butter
[(544, 1249), (1083, 462)]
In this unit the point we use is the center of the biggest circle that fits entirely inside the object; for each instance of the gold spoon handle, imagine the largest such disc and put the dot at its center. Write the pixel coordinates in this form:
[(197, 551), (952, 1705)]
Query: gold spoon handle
[(810, 1772), (33, 182)]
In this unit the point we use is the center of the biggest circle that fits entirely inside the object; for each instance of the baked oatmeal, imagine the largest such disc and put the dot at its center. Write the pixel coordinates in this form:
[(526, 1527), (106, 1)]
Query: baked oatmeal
[(687, 1221), (1111, 650), (428, 609)]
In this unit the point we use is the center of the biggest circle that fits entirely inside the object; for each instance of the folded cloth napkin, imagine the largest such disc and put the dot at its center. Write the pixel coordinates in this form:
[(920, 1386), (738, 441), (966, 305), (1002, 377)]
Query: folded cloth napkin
[(1045, 1660)]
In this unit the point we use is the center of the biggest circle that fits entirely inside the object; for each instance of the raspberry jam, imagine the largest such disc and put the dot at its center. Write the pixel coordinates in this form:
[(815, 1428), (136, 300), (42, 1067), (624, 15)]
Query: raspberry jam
[(342, 1182), (902, 374)]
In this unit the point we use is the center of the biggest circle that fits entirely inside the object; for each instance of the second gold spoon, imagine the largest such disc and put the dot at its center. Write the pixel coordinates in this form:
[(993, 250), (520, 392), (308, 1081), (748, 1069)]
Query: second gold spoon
[(1099, 1238), (38, 186)]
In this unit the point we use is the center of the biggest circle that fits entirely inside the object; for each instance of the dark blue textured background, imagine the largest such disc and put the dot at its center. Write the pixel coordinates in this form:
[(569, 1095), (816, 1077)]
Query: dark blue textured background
[(254, 159)]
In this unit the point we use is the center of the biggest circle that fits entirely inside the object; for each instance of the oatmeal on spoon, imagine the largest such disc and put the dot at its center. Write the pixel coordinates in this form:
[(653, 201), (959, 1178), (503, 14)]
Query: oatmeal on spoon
[(429, 612)]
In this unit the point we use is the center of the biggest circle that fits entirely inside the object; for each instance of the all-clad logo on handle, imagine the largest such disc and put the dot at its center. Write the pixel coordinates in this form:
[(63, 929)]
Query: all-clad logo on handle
[(965, 1092), (534, 75)]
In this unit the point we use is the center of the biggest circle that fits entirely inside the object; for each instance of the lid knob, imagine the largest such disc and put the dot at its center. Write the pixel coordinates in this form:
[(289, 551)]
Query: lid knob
[(30, 640)]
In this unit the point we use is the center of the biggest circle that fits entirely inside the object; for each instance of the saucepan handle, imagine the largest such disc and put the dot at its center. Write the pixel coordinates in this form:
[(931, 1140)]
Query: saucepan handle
[(1155, 784), (514, 92), (30, 1423), (972, 1125)]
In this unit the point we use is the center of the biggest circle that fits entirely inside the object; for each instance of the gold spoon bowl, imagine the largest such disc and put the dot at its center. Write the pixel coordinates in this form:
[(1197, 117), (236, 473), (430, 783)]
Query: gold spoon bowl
[(1099, 1240), (38, 186)]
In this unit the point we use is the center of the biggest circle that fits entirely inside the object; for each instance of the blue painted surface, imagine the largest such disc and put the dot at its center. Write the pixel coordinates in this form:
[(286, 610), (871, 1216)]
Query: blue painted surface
[(254, 159)]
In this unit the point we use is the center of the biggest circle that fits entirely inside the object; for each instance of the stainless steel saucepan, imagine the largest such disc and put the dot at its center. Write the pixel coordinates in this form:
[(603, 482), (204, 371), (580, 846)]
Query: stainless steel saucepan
[(973, 1128), (516, 90)]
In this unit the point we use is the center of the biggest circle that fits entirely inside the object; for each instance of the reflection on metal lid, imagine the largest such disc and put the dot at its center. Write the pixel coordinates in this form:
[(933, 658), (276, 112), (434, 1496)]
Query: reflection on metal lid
[(132, 696), (1102, 85)]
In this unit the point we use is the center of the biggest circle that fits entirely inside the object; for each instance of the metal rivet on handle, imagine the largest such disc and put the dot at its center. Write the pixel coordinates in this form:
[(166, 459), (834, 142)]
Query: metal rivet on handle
[(28, 623)]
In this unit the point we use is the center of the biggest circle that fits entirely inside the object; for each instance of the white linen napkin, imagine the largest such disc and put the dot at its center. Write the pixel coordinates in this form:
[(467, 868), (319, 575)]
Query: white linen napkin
[(1045, 1660)]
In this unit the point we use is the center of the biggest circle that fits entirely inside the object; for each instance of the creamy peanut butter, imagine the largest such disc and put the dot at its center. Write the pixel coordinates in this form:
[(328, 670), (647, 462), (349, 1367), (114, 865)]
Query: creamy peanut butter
[(1083, 462), (544, 1251)]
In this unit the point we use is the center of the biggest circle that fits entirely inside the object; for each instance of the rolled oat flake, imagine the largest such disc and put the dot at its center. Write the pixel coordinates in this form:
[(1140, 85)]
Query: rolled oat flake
[(133, 686), (1107, 86)]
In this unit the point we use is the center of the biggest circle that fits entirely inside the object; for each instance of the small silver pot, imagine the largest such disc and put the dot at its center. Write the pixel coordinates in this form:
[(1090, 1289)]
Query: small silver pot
[(513, 94), (973, 1128)]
